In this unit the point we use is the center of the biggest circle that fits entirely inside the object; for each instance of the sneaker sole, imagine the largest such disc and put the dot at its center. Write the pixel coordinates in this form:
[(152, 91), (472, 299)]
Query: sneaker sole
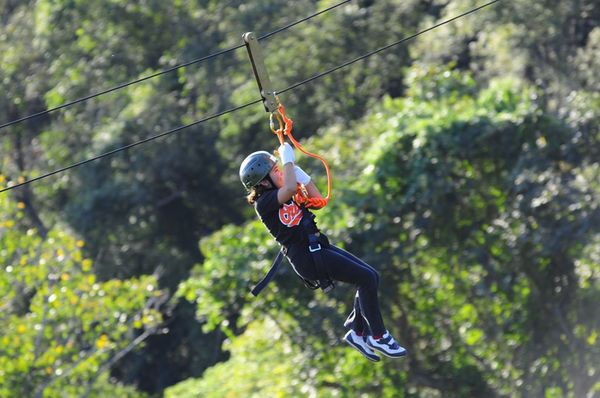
[(372, 358)]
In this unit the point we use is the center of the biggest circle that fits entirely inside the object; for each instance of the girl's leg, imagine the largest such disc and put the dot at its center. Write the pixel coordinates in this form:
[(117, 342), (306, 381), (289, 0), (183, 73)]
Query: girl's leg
[(359, 325), (352, 257), (344, 268), (355, 320)]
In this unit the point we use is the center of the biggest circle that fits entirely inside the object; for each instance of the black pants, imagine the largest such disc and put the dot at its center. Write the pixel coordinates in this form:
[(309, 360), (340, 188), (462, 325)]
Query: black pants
[(345, 267)]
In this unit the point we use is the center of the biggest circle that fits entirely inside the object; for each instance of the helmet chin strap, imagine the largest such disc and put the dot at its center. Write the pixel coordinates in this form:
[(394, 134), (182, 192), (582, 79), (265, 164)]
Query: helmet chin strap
[(268, 178)]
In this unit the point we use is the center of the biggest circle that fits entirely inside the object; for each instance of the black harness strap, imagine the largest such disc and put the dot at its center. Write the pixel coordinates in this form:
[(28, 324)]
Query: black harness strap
[(265, 281), (314, 247)]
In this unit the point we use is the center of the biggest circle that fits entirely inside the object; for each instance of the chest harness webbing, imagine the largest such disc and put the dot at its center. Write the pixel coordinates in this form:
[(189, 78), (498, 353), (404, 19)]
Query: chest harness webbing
[(314, 247)]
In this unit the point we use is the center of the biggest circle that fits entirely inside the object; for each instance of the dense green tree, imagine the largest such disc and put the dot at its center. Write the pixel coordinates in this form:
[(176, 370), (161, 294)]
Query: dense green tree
[(465, 168), (480, 211), (62, 328)]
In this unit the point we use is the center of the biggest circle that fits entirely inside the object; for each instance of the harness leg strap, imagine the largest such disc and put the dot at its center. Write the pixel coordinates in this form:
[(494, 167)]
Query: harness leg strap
[(314, 247)]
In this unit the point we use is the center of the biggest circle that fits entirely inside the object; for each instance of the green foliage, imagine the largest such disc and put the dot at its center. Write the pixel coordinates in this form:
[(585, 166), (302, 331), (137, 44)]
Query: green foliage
[(61, 325), (249, 370), (481, 198), (465, 169), (219, 285), (458, 206)]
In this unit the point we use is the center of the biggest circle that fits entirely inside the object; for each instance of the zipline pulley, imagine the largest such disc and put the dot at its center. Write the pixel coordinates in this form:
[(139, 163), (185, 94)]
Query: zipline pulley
[(260, 72)]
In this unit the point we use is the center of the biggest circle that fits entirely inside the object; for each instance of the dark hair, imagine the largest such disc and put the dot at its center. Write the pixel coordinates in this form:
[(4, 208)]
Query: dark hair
[(258, 190)]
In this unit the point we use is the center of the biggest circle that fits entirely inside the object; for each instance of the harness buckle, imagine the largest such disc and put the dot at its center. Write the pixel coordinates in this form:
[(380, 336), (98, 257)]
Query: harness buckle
[(314, 248), (328, 287)]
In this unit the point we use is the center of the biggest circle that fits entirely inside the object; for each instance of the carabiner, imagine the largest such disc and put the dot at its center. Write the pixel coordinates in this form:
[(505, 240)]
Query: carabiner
[(279, 131)]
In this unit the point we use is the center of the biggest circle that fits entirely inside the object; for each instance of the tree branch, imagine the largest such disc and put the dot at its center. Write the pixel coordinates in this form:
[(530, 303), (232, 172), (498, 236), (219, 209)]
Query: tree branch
[(115, 358), (26, 194)]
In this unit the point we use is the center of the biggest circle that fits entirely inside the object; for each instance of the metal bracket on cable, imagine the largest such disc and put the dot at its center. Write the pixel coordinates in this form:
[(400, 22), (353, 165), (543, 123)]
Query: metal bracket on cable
[(260, 72)]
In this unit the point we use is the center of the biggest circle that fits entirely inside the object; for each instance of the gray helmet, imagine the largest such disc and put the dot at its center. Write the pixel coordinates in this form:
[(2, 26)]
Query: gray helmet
[(255, 167)]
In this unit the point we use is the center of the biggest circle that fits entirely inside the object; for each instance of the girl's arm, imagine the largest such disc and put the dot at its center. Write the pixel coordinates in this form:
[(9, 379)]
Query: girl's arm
[(313, 191), (288, 189), (303, 178)]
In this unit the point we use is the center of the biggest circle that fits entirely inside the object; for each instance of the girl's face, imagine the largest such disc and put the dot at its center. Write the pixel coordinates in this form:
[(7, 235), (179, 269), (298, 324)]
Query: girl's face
[(277, 176)]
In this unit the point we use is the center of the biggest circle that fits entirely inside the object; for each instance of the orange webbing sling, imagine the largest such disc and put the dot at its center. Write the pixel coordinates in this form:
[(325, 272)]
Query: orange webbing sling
[(285, 129)]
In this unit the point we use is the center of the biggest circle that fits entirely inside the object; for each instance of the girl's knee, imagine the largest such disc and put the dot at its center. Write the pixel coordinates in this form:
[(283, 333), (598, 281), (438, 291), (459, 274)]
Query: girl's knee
[(372, 278)]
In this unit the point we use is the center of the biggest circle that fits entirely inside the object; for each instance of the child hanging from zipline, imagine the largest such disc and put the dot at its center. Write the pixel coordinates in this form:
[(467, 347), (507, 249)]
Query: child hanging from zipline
[(273, 191)]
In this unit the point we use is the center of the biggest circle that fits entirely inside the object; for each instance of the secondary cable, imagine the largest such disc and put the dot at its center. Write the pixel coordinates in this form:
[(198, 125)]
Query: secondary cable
[(319, 75), (234, 109), (164, 71), (112, 152)]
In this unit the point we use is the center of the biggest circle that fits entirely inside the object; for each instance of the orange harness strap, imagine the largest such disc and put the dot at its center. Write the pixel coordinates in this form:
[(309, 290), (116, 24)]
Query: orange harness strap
[(285, 129)]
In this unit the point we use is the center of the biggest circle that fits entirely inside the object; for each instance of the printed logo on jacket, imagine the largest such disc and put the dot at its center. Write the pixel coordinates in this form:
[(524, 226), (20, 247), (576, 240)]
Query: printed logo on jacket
[(290, 215)]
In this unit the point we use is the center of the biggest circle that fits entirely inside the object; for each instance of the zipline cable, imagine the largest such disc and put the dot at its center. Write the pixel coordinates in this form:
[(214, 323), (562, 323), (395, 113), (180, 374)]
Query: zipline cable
[(302, 20), (112, 152), (234, 109), (319, 75), (164, 71)]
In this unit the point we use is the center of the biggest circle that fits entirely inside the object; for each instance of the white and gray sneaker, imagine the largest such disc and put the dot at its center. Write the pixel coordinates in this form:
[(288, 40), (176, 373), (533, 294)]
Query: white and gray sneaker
[(386, 345), (360, 343)]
